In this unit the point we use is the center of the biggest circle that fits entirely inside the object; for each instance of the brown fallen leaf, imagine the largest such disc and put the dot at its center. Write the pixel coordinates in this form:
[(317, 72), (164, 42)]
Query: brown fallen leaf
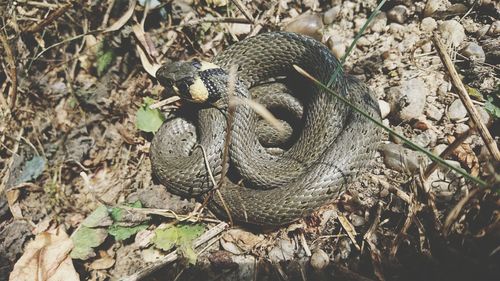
[(46, 258), (466, 155)]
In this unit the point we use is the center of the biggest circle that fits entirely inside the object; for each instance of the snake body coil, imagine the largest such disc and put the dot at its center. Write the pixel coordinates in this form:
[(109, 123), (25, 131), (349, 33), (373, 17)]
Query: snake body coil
[(334, 142)]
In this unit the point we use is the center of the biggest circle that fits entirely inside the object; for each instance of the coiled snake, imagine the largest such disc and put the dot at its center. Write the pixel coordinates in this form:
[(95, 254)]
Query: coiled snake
[(264, 188)]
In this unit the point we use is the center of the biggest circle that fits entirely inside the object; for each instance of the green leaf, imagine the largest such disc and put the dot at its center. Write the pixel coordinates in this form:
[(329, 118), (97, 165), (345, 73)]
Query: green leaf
[(492, 106), (181, 236), (32, 169), (85, 239), (125, 232), (147, 119), (105, 56), (473, 92), (166, 239), (99, 217)]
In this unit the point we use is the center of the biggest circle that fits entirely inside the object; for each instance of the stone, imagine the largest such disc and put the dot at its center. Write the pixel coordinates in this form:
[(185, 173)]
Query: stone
[(461, 128), (319, 260), (409, 99), (457, 110), (427, 138), (452, 32), (398, 158), (385, 108), (306, 24), (483, 115), (282, 252), (379, 23), (428, 24), (398, 14), (337, 47), (432, 6), (331, 15), (433, 112), (474, 52), (494, 29)]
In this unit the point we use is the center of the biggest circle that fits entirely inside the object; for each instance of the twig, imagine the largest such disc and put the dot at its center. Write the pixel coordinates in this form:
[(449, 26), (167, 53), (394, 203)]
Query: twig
[(243, 10), (49, 19), (452, 216), (464, 97), (12, 73), (454, 145), (429, 154), (174, 255), (349, 228)]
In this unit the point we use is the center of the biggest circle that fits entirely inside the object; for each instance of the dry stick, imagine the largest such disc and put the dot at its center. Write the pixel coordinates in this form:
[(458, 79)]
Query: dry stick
[(464, 97), (48, 20), (243, 10), (12, 73), (454, 145), (174, 255)]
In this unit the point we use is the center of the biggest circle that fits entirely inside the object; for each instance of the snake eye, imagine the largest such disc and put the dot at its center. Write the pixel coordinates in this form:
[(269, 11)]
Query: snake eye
[(183, 88), (196, 63)]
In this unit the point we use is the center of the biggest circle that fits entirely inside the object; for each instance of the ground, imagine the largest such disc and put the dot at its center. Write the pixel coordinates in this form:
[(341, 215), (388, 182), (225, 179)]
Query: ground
[(77, 197)]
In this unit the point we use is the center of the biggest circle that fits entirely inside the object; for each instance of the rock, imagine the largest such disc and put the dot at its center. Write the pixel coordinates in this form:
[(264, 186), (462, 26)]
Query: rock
[(357, 220), (457, 110), (319, 260), (438, 149), (331, 15), (428, 24), (474, 52), (461, 128), (483, 115), (494, 30), (337, 47), (433, 112), (398, 14), (282, 252), (307, 24), (379, 23), (425, 139), (452, 32), (385, 108), (409, 99), (399, 158), (431, 6)]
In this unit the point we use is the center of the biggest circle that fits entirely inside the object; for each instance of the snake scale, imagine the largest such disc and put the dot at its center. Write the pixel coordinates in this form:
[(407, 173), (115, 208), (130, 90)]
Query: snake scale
[(334, 142)]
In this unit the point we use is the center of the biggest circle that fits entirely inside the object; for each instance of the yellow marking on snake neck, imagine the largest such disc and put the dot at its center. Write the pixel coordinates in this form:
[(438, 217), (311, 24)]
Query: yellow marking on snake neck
[(205, 65), (198, 91)]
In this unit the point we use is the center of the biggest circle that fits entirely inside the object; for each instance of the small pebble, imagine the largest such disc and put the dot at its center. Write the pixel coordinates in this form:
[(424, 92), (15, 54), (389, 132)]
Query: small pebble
[(399, 158), (379, 23), (457, 110), (282, 252), (409, 99), (427, 138), (431, 6), (398, 14), (331, 15), (483, 115), (385, 108), (494, 30), (474, 52), (433, 112), (428, 24), (452, 32), (461, 128), (307, 24), (337, 47), (319, 260)]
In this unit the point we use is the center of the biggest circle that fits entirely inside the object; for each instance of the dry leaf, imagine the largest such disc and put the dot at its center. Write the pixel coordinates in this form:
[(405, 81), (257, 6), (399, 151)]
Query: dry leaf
[(46, 258), (105, 262), (123, 20)]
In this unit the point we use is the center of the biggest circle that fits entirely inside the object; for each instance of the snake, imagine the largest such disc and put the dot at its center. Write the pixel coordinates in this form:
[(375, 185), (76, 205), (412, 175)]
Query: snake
[(212, 143)]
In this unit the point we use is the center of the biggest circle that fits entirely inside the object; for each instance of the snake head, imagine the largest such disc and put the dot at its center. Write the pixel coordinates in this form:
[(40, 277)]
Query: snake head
[(190, 80)]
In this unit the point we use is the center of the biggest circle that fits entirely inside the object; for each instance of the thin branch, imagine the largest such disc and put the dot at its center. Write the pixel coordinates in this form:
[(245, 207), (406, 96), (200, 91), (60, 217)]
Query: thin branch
[(389, 130), (464, 97)]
